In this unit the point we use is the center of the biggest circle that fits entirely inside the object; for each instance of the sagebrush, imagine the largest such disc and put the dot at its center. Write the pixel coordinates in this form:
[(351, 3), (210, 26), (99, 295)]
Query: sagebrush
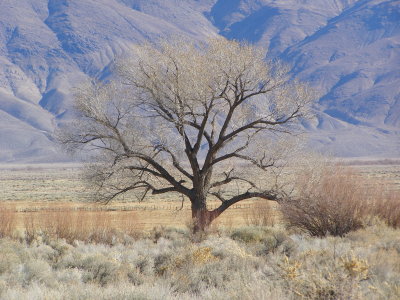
[(167, 264)]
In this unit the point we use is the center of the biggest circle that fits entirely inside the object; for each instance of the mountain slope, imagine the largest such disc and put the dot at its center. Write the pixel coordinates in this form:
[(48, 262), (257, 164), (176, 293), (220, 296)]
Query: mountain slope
[(49, 47), (347, 49), (353, 62)]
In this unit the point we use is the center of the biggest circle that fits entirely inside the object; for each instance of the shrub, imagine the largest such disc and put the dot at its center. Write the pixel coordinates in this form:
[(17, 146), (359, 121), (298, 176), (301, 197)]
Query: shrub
[(169, 233), (11, 254), (333, 201), (203, 255), (224, 247), (365, 264), (99, 270), (276, 240), (31, 231), (248, 234), (38, 270), (162, 263)]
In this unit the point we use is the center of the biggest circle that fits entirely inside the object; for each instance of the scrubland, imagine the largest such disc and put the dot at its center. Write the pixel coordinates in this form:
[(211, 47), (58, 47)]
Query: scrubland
[(250, 262), (263, 254)]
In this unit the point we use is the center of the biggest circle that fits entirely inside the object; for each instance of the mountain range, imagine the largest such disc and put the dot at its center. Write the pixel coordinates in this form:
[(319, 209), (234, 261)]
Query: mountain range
[(348, 50)]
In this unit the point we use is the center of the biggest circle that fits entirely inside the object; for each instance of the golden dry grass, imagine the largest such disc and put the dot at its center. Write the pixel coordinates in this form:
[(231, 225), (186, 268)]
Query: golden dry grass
[(8, 219), (38, 192), (143, 216)]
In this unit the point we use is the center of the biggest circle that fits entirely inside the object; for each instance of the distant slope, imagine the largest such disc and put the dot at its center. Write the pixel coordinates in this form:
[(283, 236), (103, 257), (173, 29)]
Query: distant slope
[(347, 49), (49, 47), (354, 60)]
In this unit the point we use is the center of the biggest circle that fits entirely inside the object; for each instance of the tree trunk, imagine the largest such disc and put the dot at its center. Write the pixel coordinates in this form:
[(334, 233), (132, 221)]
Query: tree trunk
[(201, 216)]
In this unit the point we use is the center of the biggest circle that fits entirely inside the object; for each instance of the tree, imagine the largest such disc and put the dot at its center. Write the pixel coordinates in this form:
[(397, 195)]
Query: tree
[(178, 117)]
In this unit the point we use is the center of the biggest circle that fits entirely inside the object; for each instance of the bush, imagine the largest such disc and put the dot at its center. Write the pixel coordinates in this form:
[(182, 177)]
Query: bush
[(248, 234), (276, 240), (335, 202), (39, 271), (365, 264), (11, 254), (99, 270)]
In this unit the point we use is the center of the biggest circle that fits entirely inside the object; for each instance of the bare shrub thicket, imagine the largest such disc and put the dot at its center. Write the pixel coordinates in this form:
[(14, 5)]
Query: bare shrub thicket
[(7, 220), (332, 201)]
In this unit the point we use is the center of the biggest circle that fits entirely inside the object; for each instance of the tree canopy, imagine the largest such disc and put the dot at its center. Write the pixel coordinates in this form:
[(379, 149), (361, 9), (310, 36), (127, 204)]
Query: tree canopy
[(201, 120)]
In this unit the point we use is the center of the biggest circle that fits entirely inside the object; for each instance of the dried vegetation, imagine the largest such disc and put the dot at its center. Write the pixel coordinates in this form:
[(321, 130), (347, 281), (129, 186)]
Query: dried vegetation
[(336, 200), (247, 263), (355, 253)]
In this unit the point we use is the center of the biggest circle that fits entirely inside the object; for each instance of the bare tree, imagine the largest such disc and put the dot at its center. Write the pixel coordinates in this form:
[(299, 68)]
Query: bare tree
[(204, 121)]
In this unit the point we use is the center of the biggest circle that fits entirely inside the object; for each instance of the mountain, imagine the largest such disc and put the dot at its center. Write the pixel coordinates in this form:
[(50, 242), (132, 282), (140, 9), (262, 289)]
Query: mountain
[(347, 49)]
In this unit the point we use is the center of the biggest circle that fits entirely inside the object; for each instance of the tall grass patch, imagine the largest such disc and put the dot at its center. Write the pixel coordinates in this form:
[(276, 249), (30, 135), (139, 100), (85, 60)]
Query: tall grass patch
[(387, 207), (75, 225), (7, 220)]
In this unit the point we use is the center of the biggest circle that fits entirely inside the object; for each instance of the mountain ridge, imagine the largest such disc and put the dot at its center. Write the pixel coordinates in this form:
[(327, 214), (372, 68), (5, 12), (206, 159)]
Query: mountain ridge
[(347, 50)]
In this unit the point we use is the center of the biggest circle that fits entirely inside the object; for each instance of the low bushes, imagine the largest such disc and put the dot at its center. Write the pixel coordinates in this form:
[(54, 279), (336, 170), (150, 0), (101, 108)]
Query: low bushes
[(248, 234), (333, 203), (362, 265), (335, 200)]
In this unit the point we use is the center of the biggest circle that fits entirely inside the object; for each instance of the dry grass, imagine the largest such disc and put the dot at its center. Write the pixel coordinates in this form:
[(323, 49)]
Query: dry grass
[(71, 225), (48, 189), (31, 231), (142, 216), (261, 214), (7, 220), (386, 206), (74, 225)]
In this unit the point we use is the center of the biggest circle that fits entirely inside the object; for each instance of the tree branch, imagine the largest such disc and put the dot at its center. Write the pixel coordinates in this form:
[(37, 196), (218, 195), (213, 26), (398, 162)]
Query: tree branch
[(268, 195), (175, 162)]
